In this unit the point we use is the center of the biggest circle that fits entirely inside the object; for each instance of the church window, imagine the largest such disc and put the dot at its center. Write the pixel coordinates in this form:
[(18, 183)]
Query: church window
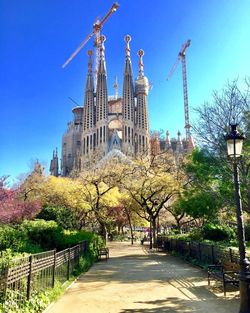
[(94, 141), (129, 134), (100, 134), (84, 146), (104, 133), (97, 136), (125, 134)]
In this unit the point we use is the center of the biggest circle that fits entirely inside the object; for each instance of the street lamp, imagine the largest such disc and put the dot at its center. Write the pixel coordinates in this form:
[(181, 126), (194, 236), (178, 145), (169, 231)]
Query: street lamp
[(234, 148)]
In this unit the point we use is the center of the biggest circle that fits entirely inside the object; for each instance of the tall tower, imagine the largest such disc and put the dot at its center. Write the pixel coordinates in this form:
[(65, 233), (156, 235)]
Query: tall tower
[(128, 104), (142, 125), (88, 135), (54, 166), (102, 104)]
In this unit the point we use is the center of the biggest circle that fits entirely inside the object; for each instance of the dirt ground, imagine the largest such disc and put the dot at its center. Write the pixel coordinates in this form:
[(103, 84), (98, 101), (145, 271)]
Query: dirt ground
[(136, 280)]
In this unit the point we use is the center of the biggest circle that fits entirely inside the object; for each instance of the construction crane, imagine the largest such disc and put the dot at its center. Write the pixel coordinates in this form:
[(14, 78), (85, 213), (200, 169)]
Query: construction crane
[(182, 57), (95, 32)]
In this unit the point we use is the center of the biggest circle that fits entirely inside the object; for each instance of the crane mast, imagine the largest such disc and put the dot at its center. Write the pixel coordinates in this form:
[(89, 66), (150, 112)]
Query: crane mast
[(182, 57)]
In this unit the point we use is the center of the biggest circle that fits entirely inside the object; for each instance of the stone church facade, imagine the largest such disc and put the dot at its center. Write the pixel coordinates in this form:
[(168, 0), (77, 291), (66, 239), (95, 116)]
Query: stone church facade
[(106, 124)]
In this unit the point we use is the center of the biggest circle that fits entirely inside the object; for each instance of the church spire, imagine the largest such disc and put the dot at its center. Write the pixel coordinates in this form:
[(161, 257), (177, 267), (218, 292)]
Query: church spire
[(102, 64), (54, 166), (128, 102), (141, 66), (142, 125), (102, 101), (88, 113)]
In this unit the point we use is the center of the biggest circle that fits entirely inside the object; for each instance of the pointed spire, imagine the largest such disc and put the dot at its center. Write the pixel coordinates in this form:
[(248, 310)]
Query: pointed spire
[(102, 48), (127, 50), (141, 71), (168, 142), (179, 137), (116, 87), (179, 146), (90, 82), (90, 52), (102, 66), (56, 155)]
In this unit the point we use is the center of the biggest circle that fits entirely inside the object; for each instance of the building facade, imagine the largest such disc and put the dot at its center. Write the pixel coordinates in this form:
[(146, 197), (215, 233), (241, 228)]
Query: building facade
[(105, 123)]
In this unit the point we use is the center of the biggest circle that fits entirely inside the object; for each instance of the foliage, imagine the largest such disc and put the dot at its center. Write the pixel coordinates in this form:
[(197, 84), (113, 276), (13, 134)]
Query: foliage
[(247, 231), (230, 105), (63, 216), (13, 208), (151, 185), (62, 195), (12, 237), (217, 232), (39, 235), (45, 234), (37, 303)]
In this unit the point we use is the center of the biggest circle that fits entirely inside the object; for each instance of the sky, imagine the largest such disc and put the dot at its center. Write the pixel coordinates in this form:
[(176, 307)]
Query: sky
[(37, 37)]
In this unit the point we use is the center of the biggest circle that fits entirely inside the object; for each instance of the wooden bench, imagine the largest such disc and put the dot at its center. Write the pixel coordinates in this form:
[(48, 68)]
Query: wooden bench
[(103, 252), (228, 273)]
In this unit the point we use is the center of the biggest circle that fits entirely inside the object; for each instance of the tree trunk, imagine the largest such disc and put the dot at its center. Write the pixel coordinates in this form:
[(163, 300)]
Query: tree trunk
[(130, 226), (150, 234), (154, 231), (104, 232)]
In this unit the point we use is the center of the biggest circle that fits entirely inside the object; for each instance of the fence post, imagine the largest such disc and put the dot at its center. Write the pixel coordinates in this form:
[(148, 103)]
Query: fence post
[(231, 255), (68, 267), (86, 246), (54, 270), (29, 277), (212, 254), (199, 247), (78, 255)]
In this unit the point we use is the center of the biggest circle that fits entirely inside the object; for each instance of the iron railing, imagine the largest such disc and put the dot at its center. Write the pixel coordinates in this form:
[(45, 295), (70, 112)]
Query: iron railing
[(204, 253), (26, 276)]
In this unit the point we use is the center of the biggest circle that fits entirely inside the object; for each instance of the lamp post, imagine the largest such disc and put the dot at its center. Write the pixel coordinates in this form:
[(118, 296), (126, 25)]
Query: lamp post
[(234, 148)]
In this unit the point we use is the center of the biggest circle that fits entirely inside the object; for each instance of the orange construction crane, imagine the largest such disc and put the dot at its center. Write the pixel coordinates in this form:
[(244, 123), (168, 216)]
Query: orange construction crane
[(96, 31), (182, 57)]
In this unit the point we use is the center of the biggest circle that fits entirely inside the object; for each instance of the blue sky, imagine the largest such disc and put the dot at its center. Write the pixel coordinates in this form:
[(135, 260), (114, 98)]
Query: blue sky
[(36, 38)]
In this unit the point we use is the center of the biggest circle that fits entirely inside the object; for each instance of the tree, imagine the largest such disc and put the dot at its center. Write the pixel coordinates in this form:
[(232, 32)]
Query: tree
[(100, 191), (151, 183), (230, 106), (14, 209), (62, 194)]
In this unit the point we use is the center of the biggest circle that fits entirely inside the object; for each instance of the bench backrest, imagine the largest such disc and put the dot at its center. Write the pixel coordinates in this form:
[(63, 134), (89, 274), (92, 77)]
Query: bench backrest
[(230, 266)]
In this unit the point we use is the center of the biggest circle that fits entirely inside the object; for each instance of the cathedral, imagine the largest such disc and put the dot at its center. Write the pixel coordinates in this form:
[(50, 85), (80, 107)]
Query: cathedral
[(111, 124)]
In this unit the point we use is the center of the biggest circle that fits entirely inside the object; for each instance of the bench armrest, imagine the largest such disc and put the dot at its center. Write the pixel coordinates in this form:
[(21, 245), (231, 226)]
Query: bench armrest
[(231, 272), (215, 267)]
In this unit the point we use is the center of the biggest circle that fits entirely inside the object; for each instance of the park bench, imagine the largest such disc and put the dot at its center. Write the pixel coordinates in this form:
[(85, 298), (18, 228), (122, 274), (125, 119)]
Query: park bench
[(228, 273), (104, 251)]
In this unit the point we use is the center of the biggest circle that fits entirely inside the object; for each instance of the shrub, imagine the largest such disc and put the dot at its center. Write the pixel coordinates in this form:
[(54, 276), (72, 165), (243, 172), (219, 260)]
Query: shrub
[(217, 232), (12, 237), (45, 234), (64, 217)]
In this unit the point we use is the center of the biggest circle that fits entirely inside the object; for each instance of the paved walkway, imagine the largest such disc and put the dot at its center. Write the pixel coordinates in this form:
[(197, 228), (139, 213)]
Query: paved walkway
[(134, 280)]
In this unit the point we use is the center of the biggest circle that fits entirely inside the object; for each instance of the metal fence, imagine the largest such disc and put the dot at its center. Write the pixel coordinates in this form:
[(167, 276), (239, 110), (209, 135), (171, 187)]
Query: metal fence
[(204, 253), (27, 276)]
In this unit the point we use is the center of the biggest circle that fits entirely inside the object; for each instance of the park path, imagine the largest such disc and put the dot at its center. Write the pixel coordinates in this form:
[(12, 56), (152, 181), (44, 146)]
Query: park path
[(139, 281)]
